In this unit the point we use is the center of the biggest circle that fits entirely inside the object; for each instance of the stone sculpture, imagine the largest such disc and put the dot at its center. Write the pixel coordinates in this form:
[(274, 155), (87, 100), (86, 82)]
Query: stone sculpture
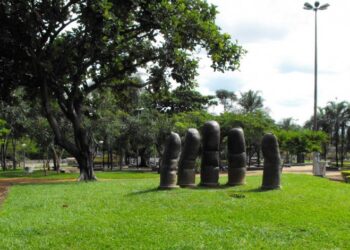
[(170, 161), (187, 171), (272, 163), (237, 158), (210, 154)]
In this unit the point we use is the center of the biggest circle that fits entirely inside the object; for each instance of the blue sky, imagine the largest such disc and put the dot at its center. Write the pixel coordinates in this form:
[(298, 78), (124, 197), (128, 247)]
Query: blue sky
[(279, 37)]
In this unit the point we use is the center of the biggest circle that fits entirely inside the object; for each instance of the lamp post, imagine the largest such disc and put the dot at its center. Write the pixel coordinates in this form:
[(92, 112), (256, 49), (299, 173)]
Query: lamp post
[(316, 7)]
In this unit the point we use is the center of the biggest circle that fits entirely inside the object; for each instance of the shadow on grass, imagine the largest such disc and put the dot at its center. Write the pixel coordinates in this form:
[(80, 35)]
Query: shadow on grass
[(200, 188), (152, 190)]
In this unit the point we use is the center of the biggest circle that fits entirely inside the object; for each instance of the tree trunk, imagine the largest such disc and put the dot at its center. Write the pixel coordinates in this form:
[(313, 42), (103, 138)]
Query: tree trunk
[(14, 161), (86, 167), (300, 158), (3, 155), (111, 156), (342, 145), (336, 154), (258, 156), (56, 159), (103, 154), (83, 149), (143, 160)]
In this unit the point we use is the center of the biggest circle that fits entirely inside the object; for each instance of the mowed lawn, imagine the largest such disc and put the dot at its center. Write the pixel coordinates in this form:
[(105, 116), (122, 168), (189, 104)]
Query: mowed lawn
[(308, 213), (40, 174)]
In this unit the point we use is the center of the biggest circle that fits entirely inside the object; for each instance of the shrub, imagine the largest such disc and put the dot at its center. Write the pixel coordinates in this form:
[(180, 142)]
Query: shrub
[(346, 176)]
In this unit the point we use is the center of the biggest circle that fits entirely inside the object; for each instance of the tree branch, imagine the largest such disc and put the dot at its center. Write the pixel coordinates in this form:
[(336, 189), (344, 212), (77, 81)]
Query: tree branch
[(70, 147)]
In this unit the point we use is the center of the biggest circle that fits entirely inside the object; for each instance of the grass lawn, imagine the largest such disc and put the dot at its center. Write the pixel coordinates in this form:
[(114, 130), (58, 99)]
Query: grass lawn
[(309, 213), (54, 175)]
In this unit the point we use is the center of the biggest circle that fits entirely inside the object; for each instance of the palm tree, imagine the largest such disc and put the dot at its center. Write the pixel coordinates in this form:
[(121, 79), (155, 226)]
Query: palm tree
[(337, 115), (288, 124), (250, 101)]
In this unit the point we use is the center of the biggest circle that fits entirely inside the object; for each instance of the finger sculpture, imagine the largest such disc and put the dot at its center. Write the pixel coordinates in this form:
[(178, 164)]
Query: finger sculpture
[(272, 163), (237, 158), (210, 154), (169, 161), (187, 172)]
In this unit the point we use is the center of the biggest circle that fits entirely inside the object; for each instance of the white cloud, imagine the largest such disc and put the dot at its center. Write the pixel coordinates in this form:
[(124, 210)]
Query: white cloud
[(279, 37)]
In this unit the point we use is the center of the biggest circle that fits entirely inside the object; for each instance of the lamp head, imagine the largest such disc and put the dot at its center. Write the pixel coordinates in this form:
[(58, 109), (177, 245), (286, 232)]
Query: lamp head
[(323, 7), (317, 3), (308, 6)]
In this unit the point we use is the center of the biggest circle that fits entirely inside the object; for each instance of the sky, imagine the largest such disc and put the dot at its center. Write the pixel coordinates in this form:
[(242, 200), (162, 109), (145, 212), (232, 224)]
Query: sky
[(279, 38)]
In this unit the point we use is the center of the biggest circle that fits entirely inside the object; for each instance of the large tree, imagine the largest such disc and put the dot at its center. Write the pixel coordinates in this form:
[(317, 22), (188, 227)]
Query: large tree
[(226, 98), (62, 50)]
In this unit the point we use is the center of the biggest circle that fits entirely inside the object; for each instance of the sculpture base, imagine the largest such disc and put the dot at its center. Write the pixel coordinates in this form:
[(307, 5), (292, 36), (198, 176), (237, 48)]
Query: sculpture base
[(186, 178), (187, 185), (168, 179), (236, 176), (167, 187), (232, 184), (209, 184)]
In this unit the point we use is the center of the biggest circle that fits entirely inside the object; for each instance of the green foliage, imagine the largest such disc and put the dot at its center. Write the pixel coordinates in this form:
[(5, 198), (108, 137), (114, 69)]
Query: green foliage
[(4, 131), (309, 213), (288, 124), (28, 145), (301, 141), (178, 100), (195, 119), (255, 124), (62, 51)]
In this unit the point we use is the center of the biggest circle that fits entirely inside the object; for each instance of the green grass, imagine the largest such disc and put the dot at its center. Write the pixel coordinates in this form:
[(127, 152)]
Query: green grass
[(54, 175), (308, 213)]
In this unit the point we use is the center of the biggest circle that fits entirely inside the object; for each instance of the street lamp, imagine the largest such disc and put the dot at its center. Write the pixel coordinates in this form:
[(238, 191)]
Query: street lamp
[(316, 7)]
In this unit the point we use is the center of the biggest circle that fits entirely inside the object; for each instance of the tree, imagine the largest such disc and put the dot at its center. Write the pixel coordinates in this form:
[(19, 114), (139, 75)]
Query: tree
[(250, 101), (299, 142), (181, 99), (16, 114), (337, 114), (227, 98), (186, 120), (61, 51), (288, 124), (4, 132), (334, 119)]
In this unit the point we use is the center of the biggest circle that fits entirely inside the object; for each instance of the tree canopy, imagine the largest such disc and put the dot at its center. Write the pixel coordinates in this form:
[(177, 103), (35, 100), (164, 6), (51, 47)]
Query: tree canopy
[(61, 51)]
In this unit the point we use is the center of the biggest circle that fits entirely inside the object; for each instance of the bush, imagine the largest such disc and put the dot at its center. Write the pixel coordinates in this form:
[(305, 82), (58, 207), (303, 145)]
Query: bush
[(346, 176)]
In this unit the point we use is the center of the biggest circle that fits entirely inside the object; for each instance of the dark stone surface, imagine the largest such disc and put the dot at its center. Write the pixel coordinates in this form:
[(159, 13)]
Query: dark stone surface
[(187, 163), (237, 158), (272, 163), (210, 154), (170, 162)]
